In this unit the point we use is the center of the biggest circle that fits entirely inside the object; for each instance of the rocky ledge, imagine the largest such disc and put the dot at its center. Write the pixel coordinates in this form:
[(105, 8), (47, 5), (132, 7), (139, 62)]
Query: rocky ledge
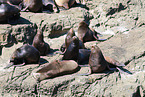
[(121, 22)]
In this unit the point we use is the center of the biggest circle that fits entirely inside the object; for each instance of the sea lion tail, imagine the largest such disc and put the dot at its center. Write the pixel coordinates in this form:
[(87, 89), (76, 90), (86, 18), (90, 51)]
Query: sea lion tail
[(8, 66)]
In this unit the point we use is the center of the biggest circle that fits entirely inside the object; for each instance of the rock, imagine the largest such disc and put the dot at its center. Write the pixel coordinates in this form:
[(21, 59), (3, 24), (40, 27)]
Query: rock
[(124, 31)]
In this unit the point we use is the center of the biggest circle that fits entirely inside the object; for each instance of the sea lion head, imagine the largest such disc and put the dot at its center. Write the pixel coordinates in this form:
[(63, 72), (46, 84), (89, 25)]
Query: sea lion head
[(75, 39), (95, 49), (83, 23), (15, 57), (69, 36)]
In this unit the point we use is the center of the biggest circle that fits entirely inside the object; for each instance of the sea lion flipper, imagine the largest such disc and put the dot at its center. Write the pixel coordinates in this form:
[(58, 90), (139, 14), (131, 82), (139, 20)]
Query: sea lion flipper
[(25, 9), (101, 39), (66, 6), (112, 69)]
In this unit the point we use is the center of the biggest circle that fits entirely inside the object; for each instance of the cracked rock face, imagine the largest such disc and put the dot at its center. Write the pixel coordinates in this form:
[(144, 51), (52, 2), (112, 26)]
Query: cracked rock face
[(122, 25)]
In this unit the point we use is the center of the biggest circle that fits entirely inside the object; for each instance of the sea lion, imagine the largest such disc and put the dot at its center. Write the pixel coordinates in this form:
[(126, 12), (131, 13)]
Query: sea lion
[(84, 55), (25, 54), (50, 5), (32, 5), (65, 3), (40, 44), (69, 39), (11, 2), (98, 63), (86, 34), (9, 13), (69, 36), (56, 68), (72, 51)]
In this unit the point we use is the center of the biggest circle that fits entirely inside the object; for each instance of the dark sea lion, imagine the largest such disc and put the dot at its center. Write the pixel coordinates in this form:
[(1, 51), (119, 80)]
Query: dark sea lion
[(56, 68), (98, 63), (69, 39), (65, 3), (86, 34), (11, 2), (15, 2), (25, 54), (72, 51), (40, 44), (32, 5), (84, 55), (49, 5), (9, 13)]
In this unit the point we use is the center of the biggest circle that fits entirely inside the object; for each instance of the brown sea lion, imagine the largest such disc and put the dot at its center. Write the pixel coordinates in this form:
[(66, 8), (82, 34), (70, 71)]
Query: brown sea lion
[(69, 36), (9, 13), (86, 34), (11, 2), (40, 44), (25, 54), (98, 63), (72, 51), (69, 39), (56, 68), (32, 5), (65, 3)]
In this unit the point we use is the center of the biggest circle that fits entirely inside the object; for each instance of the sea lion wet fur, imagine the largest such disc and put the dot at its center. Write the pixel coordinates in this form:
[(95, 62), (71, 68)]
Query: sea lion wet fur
[(40, 44), (69, 39), (65, 3), (86, 34), (32, 5), (8, 12), (25, 54), (72, 51), (99, 63)]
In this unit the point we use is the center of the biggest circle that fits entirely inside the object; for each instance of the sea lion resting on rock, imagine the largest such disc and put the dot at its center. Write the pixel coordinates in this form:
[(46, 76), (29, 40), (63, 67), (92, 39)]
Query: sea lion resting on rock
[(32, 5), (50, 5), (56, 68), (72, 51), (99, 63), (26, 54), (11, 2), (86, 34), (83, 57), (65, 3), (40, 44), (69, 39), (9, 13)]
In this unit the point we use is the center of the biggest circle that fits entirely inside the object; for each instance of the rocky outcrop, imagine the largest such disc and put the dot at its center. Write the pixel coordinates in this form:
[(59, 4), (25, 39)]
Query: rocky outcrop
[(121, 22)]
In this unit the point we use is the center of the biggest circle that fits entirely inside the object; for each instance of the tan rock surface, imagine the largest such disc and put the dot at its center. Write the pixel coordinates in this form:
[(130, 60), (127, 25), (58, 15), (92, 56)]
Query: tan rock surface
[(125, 33)]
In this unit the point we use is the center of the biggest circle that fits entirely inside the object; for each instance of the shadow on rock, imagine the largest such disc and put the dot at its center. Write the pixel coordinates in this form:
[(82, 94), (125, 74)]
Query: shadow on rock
[(112, 11), (80, 5), (123, 70), (43, 61), (22, 20), (1, 47)]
